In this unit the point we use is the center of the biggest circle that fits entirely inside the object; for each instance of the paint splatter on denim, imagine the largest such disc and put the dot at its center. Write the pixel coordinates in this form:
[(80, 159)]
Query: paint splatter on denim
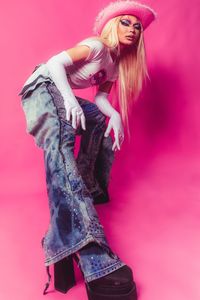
[(71, 183)]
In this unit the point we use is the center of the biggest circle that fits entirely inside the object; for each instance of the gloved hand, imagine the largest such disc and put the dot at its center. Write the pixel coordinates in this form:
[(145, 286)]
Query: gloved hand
[(75, 111), (115, 123), (56, 66)]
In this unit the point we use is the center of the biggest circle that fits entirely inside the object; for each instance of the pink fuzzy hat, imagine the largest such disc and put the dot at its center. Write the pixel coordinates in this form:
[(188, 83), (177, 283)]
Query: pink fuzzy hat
[(124, 7)]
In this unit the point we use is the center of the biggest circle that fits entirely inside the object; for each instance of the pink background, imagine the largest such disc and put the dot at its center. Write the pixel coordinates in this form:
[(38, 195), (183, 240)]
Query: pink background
[(153, 219)]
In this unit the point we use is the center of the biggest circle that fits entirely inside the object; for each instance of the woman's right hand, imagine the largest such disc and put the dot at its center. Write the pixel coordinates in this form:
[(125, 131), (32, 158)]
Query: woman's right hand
[(75, 111)]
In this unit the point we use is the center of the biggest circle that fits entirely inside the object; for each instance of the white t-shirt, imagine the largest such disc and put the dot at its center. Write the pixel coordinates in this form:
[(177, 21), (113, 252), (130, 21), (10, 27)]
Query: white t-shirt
[(96, 69)]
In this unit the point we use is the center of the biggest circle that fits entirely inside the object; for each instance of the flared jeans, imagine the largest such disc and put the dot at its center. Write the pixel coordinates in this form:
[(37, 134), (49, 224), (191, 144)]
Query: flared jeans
[(72, 183)]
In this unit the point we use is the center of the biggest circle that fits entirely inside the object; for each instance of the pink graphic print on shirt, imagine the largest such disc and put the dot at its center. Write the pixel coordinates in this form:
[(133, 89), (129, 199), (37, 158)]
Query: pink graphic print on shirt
[(98, 77)]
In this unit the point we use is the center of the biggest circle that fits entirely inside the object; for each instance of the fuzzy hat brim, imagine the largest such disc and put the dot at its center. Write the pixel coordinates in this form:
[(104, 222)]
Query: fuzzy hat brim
[(124, 7)]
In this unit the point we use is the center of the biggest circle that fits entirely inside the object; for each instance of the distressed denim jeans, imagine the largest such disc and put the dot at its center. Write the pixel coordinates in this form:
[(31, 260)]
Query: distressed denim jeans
[(71, 182)]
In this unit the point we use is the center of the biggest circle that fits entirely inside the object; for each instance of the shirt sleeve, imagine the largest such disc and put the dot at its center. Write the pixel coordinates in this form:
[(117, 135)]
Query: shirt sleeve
[(95, 46)]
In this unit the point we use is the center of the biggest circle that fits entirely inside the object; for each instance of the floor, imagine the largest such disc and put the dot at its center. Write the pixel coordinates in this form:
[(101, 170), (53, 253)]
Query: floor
[(152, 222)]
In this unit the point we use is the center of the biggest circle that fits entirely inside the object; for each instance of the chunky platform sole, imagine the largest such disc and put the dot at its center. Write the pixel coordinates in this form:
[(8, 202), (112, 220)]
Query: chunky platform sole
[(92, 295)]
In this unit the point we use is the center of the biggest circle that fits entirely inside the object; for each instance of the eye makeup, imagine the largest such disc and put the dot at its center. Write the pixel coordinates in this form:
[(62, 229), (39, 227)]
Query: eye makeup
[(126, 22)]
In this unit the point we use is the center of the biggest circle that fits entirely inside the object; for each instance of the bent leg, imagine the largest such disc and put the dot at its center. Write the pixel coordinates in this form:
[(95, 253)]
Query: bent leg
[(91, 141), (73, 219), (95, 155), (102, 168)]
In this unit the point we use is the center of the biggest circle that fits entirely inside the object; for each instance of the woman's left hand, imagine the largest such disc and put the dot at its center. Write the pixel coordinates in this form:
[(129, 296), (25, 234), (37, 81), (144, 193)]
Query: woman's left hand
[(115, 123)]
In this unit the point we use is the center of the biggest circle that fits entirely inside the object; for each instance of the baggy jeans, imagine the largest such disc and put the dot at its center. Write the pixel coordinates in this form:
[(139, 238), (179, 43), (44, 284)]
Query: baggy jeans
[(71, 182)]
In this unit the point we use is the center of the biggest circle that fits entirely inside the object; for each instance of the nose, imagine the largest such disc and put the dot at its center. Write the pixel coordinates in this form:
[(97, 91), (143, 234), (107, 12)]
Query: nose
[(132, 31)]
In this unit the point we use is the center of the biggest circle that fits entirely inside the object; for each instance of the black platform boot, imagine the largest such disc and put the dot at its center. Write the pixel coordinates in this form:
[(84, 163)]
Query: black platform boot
[(116, 285), (64, 277)]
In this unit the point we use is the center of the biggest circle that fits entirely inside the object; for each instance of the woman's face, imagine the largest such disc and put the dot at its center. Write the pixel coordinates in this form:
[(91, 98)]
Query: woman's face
[(129, 30)]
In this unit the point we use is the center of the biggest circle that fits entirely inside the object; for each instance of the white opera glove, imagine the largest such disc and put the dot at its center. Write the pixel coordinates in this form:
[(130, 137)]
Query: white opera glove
[(56, 66), (115, 122)]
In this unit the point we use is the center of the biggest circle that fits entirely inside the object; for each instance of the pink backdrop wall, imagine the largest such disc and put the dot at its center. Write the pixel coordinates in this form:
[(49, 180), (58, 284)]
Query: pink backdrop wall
[(152, 221)]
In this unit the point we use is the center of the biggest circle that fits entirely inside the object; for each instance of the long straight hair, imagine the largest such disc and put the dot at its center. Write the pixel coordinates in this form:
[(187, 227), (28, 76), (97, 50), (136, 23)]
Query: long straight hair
[(132, 68)]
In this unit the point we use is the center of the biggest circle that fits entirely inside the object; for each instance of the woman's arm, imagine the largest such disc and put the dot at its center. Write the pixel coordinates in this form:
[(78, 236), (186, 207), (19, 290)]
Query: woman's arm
[(105, 87), (101, 99), (56, 66), (115, 123)]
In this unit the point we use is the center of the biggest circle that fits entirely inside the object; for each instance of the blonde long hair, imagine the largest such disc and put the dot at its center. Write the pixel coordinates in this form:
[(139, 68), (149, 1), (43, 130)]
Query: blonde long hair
[(132, 68)]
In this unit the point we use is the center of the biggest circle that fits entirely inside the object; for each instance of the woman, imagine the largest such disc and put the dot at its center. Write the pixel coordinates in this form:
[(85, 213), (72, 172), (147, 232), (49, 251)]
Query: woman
[(55, 116)]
